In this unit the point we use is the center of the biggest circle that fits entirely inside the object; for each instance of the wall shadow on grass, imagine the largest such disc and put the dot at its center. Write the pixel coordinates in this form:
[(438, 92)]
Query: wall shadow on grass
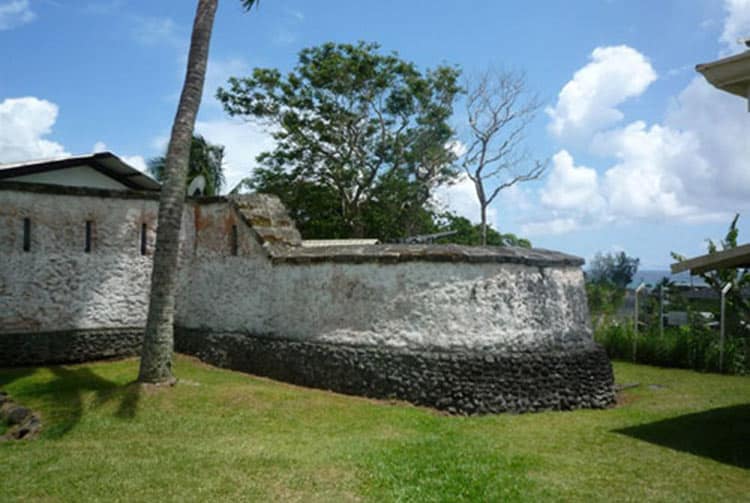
[(720, 434), (70, 393)]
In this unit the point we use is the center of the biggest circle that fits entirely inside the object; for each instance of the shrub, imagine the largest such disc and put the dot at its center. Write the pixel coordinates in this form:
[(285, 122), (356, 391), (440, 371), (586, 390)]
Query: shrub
[(693, 347)]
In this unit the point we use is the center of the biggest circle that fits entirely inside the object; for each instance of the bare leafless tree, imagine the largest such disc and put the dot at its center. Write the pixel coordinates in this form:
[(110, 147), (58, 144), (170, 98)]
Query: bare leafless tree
[(499, 108)]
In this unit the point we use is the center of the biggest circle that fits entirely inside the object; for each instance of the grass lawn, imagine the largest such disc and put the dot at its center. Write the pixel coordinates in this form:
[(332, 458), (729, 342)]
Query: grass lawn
[(221, 435)]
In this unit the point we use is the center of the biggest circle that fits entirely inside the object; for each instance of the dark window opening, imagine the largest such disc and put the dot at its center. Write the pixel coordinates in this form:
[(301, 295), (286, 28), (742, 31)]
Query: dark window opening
[(89, 228), (26, 234), (144, 238), (234, 241)]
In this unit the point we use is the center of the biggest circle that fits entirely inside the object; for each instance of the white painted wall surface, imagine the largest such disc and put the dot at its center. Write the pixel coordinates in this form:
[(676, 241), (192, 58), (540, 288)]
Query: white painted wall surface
[(427, 304), (410, 305), (219, 290), (56, 286)]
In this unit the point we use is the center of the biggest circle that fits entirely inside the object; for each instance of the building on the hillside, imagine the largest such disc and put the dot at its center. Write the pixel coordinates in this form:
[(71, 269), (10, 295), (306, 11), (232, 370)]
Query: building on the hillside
[(102, 170), (471, 330)]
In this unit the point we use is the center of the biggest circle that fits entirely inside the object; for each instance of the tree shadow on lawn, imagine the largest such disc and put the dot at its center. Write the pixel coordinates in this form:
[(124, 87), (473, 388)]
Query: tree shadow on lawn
[(64, 396), (720, 434)]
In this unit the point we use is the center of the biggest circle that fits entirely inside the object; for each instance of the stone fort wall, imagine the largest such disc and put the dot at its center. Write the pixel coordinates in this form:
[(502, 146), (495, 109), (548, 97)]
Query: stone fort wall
[(463, 329)]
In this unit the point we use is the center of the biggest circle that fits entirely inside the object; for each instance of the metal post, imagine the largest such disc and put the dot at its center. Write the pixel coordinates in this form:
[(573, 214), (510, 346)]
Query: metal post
[(724, 292), (661, 311), (635, 324)]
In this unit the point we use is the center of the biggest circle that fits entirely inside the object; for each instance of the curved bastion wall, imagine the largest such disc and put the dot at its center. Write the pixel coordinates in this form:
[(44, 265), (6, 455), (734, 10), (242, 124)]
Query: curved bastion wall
[(470, 330)]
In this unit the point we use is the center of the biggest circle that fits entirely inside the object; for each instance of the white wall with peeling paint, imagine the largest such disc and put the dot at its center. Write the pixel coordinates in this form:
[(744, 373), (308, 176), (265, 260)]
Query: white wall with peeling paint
[(417, 304)]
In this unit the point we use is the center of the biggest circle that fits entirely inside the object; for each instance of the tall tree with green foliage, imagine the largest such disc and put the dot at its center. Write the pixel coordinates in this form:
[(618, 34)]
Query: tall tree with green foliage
[(616, 269), (471, 234), (158, 341), (206, 159), (368, 130)]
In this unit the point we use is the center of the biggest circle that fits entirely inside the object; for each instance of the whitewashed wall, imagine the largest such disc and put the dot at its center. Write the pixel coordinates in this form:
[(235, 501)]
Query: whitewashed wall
[(56, 285), (409, 305), (220, 290)]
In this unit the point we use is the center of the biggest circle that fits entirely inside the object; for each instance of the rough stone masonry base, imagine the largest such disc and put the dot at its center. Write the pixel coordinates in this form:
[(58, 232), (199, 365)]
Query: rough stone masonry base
[(69, 346), (457, 382)]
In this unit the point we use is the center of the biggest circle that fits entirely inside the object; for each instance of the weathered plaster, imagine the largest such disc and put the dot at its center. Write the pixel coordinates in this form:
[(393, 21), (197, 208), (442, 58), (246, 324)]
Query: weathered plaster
[(56, 285), (414, 322), (413, 304)]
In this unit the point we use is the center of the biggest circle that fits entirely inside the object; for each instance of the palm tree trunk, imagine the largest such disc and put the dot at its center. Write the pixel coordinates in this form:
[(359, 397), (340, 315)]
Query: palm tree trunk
[(158, 342)]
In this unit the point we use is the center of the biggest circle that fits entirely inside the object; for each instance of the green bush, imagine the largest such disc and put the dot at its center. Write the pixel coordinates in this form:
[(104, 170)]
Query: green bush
[(692, 347)]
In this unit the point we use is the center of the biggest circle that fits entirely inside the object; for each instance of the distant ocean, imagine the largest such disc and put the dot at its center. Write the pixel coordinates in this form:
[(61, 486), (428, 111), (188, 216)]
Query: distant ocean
[(652, 277)]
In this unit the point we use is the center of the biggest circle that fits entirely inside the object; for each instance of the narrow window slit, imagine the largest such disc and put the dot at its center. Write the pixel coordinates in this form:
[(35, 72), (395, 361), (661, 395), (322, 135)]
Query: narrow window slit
[(234, 241), (87, 245), (144, 238), (26, 234)]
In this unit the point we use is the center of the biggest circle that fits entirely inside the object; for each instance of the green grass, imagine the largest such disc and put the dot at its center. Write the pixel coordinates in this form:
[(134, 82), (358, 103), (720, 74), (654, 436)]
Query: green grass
[(220, 435)]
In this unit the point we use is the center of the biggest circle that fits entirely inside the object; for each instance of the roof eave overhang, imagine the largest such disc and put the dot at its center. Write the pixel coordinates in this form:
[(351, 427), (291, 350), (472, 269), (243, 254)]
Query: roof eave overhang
[(738, 257), (105, 163), (730, 74)]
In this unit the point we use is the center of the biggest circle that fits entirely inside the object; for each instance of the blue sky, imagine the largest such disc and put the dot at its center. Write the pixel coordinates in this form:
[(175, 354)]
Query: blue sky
[(644, 156)]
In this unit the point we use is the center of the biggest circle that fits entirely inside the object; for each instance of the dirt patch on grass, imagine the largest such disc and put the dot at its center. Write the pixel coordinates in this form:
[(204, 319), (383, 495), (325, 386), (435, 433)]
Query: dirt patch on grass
[(623, 398)]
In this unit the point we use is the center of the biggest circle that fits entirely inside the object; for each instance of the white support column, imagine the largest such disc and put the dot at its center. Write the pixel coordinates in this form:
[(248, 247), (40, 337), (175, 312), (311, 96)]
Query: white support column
[(724, 292), (635, 320), (661, 311)]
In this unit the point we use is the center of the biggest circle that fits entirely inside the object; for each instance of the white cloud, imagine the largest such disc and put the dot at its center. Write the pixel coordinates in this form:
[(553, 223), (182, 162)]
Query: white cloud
[(101, 7), (217, 74), (571, 187), (287, 32), (690, 167), (99, 146), (736, 25), (284, 36), (587, 103), (457, 147), (571, 198), (646, 181), (136, 161), (295, 14), (550, 227), (26, 121), (15, 13), (720, 123), (242, 143), (461, 198), (160, 143), (242, 140), (158, 31)]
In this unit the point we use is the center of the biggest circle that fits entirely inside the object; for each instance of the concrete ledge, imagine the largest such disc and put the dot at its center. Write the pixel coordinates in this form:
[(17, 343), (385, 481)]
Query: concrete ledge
[(69, 346), (458, 382)]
